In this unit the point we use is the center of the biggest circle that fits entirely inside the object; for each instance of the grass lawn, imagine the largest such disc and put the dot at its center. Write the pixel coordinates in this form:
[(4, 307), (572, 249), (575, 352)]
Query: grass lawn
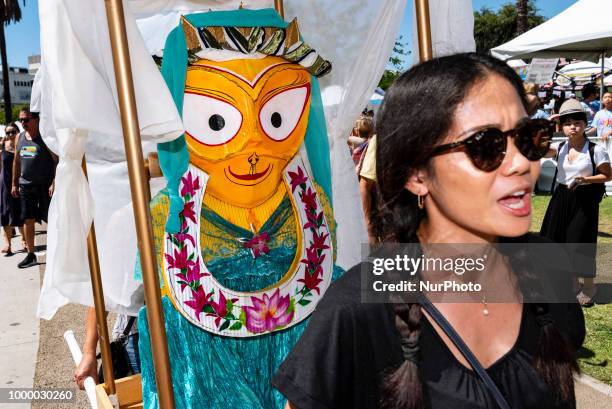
[(595, 357)]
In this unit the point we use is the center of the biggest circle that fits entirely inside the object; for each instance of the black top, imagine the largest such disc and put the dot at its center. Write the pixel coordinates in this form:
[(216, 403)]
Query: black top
[(37, 164), (349, 347)]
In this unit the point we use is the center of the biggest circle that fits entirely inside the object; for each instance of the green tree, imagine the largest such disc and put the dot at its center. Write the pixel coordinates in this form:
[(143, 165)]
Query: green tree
[(10, 12), (396, 63), (495, 28)]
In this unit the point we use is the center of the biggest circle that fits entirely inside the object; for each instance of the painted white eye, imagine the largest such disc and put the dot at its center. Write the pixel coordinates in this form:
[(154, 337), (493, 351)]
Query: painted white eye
[(280, 115), (209, 120)]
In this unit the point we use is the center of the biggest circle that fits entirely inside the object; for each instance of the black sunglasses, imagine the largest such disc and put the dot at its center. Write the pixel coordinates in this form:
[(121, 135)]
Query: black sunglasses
[(11, 132), (24, 120), (486, 148)]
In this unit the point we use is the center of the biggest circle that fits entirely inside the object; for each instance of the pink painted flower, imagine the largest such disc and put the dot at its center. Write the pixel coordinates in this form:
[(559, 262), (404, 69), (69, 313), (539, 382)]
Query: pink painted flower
[(192, 274), (258, 244), (183, 237), (311, 281), (318, 241), (190, 185), (268, 313), (188, 212), (313, 260), (309, 199), (315, 220), (180, 260), (297, 178), (199, 301)]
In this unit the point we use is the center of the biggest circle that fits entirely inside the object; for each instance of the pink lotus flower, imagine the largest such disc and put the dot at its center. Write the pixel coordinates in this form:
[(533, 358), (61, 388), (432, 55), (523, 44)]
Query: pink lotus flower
[(199, 301), (297, 178), (258, 244), (188, 212), (190, 186), (268, 313), (180, 259)]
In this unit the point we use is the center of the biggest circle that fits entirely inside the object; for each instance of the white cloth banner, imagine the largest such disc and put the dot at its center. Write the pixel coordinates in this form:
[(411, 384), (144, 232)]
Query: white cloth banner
[(77, 98)]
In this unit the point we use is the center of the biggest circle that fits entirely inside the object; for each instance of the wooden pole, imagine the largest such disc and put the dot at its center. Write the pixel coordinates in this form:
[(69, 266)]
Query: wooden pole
[(280, 9), (98, 296), (138, 185), (423, 29)]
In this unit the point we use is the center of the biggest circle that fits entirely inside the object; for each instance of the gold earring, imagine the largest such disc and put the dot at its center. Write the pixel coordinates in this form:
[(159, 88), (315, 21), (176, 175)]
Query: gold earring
[(420, 201)]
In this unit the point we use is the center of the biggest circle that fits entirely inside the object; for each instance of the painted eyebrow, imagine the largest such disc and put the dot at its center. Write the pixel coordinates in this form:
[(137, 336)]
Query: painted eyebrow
[(213, 92)]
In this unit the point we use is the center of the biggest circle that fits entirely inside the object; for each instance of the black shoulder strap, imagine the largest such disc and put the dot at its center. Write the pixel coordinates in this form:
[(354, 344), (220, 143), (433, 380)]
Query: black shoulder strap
[(128, 327), (554, 180), (465, 351), (592, 155)]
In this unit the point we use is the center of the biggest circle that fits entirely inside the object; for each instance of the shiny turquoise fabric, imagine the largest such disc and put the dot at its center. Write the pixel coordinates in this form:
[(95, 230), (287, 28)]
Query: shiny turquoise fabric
[(210, 371), (233, 265)]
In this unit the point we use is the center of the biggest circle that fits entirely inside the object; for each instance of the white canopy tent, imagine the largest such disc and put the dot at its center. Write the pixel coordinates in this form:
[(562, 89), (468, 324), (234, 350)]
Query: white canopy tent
[(583, 31)]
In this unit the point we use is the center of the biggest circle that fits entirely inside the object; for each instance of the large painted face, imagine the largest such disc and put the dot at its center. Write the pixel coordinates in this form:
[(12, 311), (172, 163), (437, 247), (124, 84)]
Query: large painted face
[(244, 121)]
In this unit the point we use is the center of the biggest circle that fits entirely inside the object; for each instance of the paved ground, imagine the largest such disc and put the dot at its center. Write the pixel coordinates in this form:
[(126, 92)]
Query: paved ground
[(33, 352)]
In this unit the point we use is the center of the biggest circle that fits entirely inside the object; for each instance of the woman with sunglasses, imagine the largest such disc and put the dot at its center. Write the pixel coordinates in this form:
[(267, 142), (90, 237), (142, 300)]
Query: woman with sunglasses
[(572, 216), (10, 209), (460, 173)]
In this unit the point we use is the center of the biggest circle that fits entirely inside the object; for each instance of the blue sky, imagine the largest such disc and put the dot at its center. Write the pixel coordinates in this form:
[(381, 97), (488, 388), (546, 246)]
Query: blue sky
[(23, 38)]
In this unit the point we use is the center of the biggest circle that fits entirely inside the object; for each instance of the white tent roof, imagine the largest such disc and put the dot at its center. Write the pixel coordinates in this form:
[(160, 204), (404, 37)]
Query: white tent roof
[(582, 31)]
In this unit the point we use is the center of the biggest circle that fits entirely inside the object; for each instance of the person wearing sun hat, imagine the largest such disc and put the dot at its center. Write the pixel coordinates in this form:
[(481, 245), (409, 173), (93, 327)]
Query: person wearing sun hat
[(572, 215), (244, 230)]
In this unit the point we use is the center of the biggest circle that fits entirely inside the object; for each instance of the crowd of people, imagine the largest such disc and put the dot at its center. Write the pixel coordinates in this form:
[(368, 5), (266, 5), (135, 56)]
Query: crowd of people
[(27, 178)]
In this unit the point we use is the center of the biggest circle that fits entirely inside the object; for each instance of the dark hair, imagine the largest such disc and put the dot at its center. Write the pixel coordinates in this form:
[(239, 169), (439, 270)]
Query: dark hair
[(26, 110), (408, 129), (581, 116), (588, 90)]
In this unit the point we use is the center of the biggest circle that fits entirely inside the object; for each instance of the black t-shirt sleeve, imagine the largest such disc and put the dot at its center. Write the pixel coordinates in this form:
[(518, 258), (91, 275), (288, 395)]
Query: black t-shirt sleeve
[(345, 352), (318, 369)]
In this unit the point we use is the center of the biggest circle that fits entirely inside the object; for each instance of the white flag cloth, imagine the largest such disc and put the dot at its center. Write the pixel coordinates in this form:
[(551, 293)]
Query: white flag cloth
[(77, 98), (452, 27)]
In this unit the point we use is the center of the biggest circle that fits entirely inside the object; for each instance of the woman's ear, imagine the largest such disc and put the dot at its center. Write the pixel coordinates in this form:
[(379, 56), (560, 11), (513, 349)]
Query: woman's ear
[(416, 183)]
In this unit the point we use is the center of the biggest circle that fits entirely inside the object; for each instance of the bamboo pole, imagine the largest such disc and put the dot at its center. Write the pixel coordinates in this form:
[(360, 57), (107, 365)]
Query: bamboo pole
[(138, 186), (423, 29), (280, 9), (98, 296)]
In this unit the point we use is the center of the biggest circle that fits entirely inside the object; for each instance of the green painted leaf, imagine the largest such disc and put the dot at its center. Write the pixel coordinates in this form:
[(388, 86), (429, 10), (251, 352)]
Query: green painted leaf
[(242, 317), (208, 309), (236, 326), (303, 302), (224, 326)]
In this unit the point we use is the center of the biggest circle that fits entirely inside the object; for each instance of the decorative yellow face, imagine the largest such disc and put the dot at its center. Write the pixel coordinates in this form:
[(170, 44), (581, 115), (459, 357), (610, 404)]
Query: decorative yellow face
[(244, 121)]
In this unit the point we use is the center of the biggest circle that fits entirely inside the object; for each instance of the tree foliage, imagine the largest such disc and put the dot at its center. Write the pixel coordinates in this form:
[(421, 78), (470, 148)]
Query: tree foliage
[(495, 28), (396, 63)]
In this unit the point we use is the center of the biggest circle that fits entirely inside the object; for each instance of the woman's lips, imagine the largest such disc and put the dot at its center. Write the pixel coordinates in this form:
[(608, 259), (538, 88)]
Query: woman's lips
[(252, 177), (517, 205)]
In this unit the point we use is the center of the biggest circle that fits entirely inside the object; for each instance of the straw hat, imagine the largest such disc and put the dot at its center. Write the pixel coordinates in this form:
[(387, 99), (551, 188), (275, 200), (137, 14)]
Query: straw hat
[(572, 107)]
